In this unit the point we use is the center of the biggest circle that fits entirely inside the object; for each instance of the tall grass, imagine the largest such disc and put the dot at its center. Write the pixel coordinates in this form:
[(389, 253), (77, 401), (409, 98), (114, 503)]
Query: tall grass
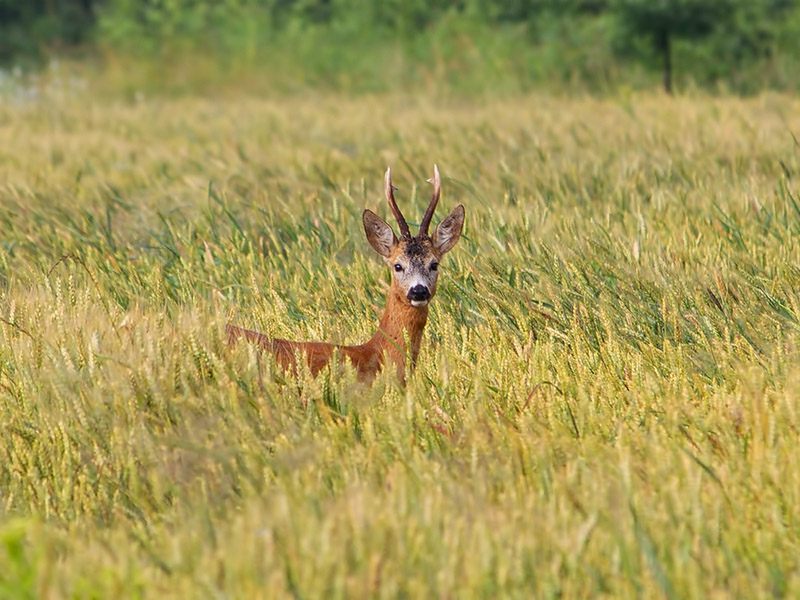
[(606, 399)]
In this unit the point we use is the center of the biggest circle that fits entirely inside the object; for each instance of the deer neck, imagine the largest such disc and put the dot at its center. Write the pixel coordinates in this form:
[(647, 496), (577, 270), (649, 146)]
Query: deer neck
[(400, 320)]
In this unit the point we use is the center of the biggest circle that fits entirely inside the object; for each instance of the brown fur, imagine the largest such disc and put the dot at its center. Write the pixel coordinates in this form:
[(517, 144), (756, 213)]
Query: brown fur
[(401, 320)]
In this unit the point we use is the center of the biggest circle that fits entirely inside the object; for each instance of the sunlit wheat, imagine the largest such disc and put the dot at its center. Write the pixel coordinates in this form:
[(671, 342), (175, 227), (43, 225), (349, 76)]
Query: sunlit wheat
[(605, 402)]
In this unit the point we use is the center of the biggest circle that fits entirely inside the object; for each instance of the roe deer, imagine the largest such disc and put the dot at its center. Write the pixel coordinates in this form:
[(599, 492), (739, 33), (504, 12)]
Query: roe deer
[(414, 261)]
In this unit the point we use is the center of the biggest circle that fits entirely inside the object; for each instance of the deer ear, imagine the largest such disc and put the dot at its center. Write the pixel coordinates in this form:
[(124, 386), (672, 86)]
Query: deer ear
[(449, 230), (379, 234)]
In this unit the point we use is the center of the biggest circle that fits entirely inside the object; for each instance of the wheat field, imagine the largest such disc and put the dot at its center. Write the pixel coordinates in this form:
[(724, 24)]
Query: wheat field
[(606, 401)]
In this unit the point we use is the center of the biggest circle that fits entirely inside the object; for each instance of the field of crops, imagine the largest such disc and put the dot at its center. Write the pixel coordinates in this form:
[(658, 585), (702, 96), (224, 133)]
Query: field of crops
[(606, 402)]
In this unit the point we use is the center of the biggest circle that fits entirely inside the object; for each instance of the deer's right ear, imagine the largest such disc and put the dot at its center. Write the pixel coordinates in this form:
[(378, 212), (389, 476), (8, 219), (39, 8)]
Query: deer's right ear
[(379, 233)]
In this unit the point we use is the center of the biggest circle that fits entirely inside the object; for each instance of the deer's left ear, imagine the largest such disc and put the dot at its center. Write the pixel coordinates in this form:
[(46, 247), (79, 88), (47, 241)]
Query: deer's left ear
[(449, 230)]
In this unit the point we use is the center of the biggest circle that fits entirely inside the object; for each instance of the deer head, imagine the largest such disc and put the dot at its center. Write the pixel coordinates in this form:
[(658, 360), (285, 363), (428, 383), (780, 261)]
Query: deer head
[(414, 260)]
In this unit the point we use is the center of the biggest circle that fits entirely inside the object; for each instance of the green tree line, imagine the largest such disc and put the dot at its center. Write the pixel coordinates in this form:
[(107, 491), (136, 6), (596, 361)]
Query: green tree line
[(744, 45)]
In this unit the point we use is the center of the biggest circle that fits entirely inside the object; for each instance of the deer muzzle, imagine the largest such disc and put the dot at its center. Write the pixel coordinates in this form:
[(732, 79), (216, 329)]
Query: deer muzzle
[(419, 295)]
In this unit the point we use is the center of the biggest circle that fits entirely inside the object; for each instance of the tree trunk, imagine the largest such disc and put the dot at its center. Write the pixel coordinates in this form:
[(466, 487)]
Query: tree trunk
[(665, 46)]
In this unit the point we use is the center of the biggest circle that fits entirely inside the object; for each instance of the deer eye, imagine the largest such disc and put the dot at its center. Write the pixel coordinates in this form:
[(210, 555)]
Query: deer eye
[(398, 267), (434, 266)]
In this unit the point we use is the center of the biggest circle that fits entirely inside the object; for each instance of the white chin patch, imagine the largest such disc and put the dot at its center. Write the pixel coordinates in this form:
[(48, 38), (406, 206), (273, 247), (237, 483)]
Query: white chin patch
[(419, 302)]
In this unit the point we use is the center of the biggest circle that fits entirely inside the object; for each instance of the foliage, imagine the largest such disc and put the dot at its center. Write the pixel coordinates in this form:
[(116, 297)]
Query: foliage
[(664, 20), (740, 23), (358, 45), (27, 24), (606, 402)]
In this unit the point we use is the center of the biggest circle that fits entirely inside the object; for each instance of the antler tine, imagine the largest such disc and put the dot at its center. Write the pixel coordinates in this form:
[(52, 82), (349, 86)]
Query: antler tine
[(437, 191), (401, 221)]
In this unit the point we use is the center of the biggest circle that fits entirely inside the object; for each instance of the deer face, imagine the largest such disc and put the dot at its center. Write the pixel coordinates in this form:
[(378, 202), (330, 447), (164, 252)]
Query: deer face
[(415, 269), (414, 261)]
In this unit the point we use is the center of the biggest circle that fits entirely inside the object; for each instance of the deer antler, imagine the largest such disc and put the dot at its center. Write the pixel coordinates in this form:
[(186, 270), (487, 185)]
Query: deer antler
[(401, 221), (437, 190)]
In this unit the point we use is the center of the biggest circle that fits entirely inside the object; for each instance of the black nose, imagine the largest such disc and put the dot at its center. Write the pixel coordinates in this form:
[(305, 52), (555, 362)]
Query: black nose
[(419, 292)]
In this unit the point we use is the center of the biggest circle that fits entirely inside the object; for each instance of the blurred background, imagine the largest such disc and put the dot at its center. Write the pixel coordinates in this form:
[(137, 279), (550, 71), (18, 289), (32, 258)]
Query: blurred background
[(363, 46)]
